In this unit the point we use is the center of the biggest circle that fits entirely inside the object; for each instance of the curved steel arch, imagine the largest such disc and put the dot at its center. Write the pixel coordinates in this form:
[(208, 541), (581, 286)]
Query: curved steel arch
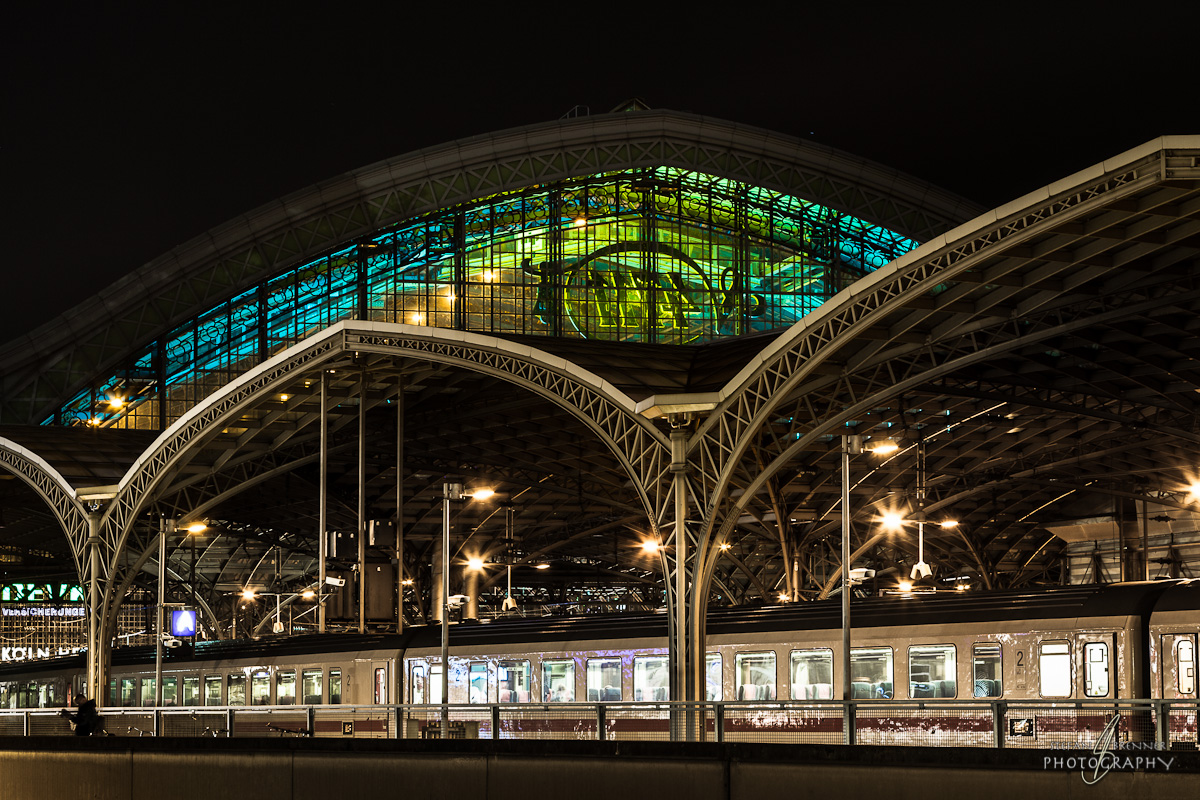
[(53, 488), (235, 256)]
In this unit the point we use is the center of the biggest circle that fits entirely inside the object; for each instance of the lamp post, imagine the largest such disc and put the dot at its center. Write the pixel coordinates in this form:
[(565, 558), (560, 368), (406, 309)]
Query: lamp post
[(167, 527), (851, 445), (450, 491)]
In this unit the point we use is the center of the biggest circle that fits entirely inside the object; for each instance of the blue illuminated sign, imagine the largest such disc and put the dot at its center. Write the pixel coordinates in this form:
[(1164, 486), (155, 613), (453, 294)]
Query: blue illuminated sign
[(183, 622)]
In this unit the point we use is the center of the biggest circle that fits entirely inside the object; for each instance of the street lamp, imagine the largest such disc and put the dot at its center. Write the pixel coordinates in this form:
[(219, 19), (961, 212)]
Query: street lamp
[(167, 527), (450, 491)]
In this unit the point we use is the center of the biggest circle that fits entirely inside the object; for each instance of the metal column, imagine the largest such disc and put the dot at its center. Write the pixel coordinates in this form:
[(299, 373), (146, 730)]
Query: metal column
[(400, 505), (851, 445), (362, 502), (322, 502), (683, 653), (95, 662)]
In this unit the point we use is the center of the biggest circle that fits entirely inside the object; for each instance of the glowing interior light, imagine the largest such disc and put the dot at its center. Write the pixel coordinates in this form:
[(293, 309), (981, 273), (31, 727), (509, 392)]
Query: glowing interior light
[(725, 545), (488, 275), (905, 586), (94, 421), (543, 565), (248, 594), (197, 527), (116, 402), (650, 546), (284, 397), (416, 318), (783, 597), (1194, 489), (308, 594), (406, 582), (481, 494), (580, 222), (885, 447), (475, 563), (962, 587), (892, 521), (949, 523)]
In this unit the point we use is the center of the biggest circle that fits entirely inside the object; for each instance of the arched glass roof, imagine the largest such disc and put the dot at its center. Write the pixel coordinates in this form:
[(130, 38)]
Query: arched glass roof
[(661, 255)]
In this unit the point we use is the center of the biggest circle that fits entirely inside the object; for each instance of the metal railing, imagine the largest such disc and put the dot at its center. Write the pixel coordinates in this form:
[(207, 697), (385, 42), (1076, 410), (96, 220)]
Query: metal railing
[(1085, 724)]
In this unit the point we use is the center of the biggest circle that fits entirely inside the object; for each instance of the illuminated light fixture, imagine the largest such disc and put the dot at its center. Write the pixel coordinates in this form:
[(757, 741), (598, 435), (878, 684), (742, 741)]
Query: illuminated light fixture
[(94, 421), (783, 597), (481, 494), (725, 545), (475, 563), (488, 275), (962, 587), (197, 527), (407, 582), (580, 222), (247, 594), (949, 523), (1194, 489), (905, 586), (543, 565), (308, 594), (892, 521), (284, 397), (116, 402), (416, 318), (650, 546), (885, 447), (451, 297)]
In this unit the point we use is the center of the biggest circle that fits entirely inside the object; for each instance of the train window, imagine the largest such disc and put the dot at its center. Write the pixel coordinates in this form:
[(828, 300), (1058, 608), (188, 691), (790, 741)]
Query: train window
[(604, 680), (170, 691), (191, 690), (114, 694), (987, 672), (8, 697), (148, 694), (416, 690), (812, 674), (932, 671), (285, 688), (435, 683), (478, 683), (1185, 667), (212, 690), (1095, 669), (651, 679), (755, 676), (129, 691), (871, 673), (310, 682), (558, 681), (513, 678), (1054, 663), (380, 685), (712, 678), (260, 688), (237, 689), (335, 687)]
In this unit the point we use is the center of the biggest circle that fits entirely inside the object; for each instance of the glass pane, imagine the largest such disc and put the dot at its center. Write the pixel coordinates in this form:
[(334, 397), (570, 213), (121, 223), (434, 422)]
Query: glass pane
[(260, 689), (712, 677), (435, 683), (170, 691), (191, 690), (604, 680), (478, 680), (558, 681), (212, 690), (148, 694), (1055, 666), (871, 673), (513, 679), (417, 687), (931, 671), (311, 686), (987, 670), (755, 676), (1185, 666), (812, 674), (129, 687), (335, 687), (237, 690), (285, 688), (651, 679)]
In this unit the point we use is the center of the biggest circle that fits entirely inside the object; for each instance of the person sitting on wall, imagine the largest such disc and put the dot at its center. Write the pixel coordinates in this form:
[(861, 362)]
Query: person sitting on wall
[(86, 719)]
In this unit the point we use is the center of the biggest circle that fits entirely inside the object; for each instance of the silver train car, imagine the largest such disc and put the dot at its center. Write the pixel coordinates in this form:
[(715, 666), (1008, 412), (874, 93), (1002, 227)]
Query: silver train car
[(1116, 642)]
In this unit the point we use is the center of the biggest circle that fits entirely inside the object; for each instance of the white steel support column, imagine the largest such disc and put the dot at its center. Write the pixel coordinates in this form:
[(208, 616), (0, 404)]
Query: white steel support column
[(851, 445), (362, 502), (95, 649), (683, 606), (322, 506), (400, 505)]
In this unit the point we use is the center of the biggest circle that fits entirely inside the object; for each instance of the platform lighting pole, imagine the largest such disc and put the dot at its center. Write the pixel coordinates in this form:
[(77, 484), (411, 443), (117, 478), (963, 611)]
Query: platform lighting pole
[(322, 506), (450, 491), (851, 445), (164, 525)]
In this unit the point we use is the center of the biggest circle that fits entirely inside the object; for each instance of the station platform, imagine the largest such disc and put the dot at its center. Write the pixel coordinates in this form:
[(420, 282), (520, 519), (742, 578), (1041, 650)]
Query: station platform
[(113, 768)]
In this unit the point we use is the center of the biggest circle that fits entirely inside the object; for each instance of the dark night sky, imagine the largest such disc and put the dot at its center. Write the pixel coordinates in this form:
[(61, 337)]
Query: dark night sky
[(127, 133)]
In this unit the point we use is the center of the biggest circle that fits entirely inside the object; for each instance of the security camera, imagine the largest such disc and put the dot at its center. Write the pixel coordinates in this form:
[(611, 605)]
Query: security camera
[(920, 570), (861, 574), (332, 581), (456, 600), (171, 644)]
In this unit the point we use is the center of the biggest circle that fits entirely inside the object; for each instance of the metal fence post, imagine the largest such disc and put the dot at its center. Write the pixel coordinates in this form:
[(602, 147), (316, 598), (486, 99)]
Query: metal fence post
[(229, 723), (158, 722), (311, 718), (719, 721), (601, 724), (1162, 728), (495, 721), (25, 724), (999, 709)]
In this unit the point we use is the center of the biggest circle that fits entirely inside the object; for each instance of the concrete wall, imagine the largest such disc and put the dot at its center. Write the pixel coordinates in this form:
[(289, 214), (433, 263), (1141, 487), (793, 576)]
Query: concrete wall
[(298, 769)]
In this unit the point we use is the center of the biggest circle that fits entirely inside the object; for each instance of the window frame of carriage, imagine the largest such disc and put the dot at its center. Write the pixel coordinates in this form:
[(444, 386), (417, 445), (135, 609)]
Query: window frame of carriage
[(549, 678), (792, 670), (863, 654), (737, 673), (1070, 655), (932, 650), (975, 655)]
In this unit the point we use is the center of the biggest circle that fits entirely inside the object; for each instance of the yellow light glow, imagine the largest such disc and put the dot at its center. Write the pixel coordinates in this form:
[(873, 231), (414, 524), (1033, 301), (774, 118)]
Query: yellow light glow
[(905, 586), (1194, 489), (416, 318), (725, 545), (481, 494), (580, 222), (116, 402), (406, 582), (197, 527), (488, 275), (94, 421), (783, 597), (284, 397), (650, 546), (247, 594), (475, 563), (884, 448), (892, 521), (949, 523), (543, 565), (962, 587), (308, 594), (450, 296)]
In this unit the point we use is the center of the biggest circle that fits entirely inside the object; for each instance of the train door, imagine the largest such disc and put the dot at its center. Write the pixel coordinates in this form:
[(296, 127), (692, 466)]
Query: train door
[(1179, 666), (380, 693), (1095, 654)]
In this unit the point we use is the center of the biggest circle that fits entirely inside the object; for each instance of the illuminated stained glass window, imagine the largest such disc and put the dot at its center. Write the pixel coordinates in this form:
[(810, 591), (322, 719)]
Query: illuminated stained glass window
[(663, 255)]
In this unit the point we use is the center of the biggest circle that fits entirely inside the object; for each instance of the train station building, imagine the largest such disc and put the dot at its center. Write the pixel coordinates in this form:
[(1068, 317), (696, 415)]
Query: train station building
[(668, 345)]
